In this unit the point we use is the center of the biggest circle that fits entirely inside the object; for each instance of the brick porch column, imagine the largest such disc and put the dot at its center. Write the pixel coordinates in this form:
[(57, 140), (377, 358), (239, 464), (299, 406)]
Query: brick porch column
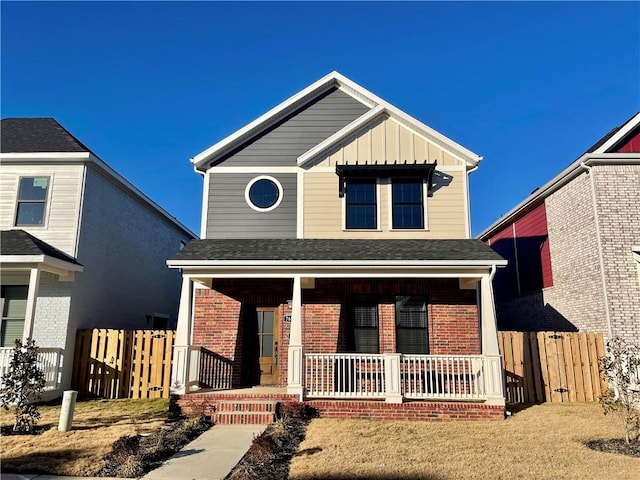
[(295, 365)]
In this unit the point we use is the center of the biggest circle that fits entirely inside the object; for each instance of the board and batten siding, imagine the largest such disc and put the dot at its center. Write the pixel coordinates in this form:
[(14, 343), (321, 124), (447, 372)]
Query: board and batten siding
[(282, 144), (323, 209), (229, 215), (386, 140), (63, 202)]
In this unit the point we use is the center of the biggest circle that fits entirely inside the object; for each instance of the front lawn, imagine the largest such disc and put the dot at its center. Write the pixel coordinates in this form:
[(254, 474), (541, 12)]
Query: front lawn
[(79, 452), (541, 442)]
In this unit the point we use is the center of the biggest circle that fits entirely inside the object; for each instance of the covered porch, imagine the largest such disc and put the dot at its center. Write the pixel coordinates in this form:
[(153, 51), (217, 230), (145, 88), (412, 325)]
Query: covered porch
[(380, 330), (36, 285)]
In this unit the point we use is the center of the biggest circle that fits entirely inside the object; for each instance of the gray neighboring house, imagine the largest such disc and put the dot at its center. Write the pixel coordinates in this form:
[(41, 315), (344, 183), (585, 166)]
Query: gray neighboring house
[(81, 247)]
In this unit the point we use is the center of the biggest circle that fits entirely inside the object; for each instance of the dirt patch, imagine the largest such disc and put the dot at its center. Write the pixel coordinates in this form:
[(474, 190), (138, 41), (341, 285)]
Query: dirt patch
[(615, 445)]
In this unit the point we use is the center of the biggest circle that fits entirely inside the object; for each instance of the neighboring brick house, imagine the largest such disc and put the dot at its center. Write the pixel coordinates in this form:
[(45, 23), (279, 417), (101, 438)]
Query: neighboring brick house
[(573, 245), (336, 266), (81, 247)]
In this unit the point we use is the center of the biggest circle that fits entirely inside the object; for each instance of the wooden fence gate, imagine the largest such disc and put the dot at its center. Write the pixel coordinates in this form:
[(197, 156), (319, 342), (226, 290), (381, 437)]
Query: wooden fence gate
[(552, 366), (123, 363)]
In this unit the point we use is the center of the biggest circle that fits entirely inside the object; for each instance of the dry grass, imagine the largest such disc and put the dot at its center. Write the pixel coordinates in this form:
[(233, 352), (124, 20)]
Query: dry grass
[(541, 442), (96, 425)]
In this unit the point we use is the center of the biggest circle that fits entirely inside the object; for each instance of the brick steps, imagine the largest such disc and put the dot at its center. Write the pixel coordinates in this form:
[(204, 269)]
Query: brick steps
[(254, 411)]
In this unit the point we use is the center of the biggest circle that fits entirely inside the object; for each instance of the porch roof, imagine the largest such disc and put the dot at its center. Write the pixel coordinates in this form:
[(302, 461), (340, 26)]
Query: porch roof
[(332, 250), (18, 243)]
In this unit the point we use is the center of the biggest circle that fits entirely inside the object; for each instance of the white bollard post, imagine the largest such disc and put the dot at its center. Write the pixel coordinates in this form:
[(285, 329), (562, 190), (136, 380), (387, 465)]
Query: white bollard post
[(66, 413)]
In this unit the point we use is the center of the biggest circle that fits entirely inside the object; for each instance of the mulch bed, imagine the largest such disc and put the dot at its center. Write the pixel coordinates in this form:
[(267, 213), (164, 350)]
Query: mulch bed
[(615, 445), (133, 456), (269, 455), (37, 430)]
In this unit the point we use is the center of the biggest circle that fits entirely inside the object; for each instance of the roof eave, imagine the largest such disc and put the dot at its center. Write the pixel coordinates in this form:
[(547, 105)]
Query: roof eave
[(361, 94), (564, 177)]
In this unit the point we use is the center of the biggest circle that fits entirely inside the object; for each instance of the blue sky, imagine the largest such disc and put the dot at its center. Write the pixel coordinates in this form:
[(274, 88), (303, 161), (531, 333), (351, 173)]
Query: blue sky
[(146, 86)]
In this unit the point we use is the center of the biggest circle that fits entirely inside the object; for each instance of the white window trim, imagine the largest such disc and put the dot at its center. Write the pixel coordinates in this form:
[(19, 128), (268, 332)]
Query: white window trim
[(378, 208), (47, 209), (255, 207), (425, 219)]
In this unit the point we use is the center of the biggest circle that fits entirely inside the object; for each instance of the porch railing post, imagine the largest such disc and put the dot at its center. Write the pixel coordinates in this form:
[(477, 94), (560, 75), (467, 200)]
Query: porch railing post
[(392, 379), (295, 354), (181, 370)]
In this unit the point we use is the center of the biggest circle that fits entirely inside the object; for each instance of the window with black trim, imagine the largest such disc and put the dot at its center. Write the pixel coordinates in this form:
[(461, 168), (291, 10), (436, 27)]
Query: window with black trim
[(14, 309), (32, 200), (363, 317), (412, 331), (361, 204), (407, 203)]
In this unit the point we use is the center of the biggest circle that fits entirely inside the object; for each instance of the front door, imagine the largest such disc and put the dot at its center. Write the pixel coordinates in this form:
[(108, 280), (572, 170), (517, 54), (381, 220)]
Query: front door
[(268, 338)]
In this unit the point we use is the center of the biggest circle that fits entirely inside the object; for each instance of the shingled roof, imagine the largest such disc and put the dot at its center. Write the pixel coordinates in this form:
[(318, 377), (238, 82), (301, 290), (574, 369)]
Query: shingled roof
[(336, 250), (32, 135), (19, 242)]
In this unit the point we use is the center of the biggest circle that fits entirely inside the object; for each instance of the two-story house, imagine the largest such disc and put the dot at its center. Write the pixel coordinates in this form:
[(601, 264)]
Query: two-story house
[(573, 245), (81, 247), (336, 267)]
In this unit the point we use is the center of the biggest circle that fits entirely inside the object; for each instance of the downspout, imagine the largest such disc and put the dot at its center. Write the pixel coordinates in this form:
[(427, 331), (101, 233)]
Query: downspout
[(599, 244)]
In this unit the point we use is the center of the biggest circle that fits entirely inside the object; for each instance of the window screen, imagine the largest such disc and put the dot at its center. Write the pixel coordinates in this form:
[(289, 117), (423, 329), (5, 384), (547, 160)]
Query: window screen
[(32, 199), (412, 334), (363, 314)]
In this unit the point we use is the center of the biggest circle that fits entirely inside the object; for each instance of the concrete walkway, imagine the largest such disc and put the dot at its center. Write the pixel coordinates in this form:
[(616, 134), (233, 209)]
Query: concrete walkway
[(211, 456)]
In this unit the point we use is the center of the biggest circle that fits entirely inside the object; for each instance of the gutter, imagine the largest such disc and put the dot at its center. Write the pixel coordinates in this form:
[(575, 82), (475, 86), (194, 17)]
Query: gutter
[(559, 181), (599, 245)]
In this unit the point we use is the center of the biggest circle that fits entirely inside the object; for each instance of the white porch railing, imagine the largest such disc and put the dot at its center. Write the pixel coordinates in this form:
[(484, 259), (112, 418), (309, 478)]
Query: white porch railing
[(338, 375), (49, 360), (437, 377)]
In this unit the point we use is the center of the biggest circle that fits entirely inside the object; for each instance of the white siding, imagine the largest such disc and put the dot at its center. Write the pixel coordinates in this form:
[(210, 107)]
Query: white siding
[(63, 203)]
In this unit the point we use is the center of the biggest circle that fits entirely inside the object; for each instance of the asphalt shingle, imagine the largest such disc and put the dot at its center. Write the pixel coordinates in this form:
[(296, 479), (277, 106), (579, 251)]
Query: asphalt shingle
[(19, 242), (336, 250), (31, 135)]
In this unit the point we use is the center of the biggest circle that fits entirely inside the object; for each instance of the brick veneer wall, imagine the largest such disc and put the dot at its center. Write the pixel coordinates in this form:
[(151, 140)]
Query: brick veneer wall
[(577, 293), (407, 411), (452, 316)]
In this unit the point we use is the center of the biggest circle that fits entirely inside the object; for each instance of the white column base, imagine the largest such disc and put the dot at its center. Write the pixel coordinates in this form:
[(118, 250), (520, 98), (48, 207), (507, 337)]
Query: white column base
[(392, 378), (294, 372)]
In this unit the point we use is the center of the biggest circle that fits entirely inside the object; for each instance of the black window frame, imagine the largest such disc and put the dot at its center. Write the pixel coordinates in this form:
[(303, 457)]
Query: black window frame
[(373, 182), (414, 332), (30, 201), (401, 203), (357, 327)]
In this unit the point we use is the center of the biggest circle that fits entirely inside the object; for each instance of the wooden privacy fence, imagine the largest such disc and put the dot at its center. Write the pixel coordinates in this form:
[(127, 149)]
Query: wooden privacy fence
[(552, 366), (123, 363)]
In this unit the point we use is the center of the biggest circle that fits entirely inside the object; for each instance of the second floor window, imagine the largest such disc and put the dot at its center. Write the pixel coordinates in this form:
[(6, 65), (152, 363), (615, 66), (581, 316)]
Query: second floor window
[(32, 200), (408, 207), (361, 204)]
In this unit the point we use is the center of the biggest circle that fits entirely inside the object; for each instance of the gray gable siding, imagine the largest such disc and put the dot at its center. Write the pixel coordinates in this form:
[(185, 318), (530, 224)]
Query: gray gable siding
[(297, 133), (229, 215)]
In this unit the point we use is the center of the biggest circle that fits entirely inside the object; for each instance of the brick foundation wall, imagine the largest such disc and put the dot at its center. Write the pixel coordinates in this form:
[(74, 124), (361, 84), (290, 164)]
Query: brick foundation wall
[(407, 411)]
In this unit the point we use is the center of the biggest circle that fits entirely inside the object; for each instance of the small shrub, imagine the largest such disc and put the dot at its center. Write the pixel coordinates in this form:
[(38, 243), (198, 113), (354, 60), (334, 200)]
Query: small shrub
[(620, 367), (22, 386), (296, 410), (262, 448)]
